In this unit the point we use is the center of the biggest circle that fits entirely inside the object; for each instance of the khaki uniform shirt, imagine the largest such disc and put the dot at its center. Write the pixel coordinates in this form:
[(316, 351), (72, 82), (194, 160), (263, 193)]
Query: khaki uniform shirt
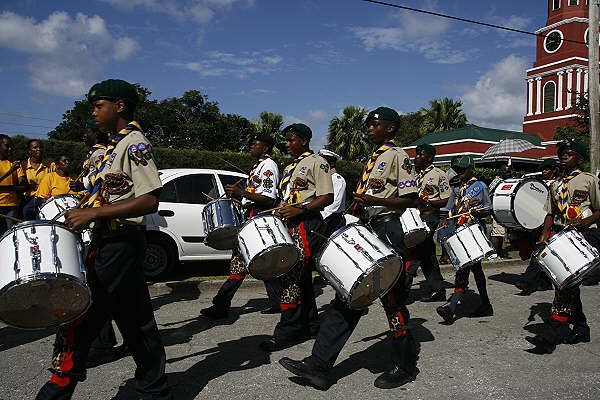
[(310, 179), (435, 186), (583, 200), (131, 172), (392, 176)]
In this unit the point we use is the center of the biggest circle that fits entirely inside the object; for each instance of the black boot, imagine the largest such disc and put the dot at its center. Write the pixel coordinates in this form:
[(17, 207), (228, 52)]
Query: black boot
[(484, 310), (316, 377), (404, 364)]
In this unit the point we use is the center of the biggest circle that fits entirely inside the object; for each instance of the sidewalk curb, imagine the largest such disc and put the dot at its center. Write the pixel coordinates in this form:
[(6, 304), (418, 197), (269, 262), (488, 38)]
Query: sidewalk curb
[(157, 289)]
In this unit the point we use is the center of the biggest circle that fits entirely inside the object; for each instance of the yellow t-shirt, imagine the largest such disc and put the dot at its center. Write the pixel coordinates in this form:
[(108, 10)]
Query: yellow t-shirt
[(35, 175), (53, 184), (8, 199)]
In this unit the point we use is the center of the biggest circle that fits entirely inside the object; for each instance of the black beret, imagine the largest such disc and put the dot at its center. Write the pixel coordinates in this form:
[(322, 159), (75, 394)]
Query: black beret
[(299, 130), (426, 148), (575, 145), (263, 137), (384, 113), (116, 89)]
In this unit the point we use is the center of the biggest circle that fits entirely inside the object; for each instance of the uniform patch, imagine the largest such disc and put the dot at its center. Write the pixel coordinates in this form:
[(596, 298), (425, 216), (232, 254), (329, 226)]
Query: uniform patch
[(300, 184), (376, 185), (140, 153), (324, 167), (302, 170), (381, 166), (256, 178), (406, 165), (579, 196), (268, 173), (407, 184), (267, 183)]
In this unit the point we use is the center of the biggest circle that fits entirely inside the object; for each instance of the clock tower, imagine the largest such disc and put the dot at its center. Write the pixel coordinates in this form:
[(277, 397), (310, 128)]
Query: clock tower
[(560, 70)]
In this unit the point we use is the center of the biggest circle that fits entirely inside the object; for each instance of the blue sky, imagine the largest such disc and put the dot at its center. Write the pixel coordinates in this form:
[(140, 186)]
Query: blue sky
[(304, 59)]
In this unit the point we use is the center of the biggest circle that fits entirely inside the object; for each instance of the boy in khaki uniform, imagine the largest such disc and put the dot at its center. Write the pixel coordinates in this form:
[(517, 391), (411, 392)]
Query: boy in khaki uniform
[(386, 189), (125, 188), (307, 189), (576, 203), (434, 191)]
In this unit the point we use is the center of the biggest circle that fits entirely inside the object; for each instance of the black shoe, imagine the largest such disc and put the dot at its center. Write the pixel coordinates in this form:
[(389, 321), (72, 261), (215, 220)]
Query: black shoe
[(484, 310), (522, 285), (275, 343), (542, 346), (575, 338), (392, 378), (271, 310), (213, 312), (435, 296), (525, 292), (446, 314), (98, 357), (316, 378)]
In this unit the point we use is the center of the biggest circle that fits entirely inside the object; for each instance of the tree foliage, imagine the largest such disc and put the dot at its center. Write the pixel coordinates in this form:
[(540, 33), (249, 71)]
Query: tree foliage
[(443, 115), (348, 134), (271, 124)]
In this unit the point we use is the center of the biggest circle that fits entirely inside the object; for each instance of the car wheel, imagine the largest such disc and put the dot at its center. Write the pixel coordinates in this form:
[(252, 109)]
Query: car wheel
[(159, 259)]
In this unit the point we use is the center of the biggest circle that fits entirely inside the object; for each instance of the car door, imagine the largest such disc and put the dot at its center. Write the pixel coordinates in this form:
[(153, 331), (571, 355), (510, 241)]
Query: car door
[(180, 211)]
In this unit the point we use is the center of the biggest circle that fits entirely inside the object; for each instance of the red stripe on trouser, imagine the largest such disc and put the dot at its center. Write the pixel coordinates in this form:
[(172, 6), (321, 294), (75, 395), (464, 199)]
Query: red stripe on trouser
[(559, 318), (459, 290), (289, 306), (407, 265), (401, 320), (65, 366), (238, 277), (304, 238)]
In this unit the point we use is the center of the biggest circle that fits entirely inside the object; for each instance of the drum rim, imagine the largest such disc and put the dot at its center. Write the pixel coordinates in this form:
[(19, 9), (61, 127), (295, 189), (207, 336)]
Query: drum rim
[(365, 273), (223, 199), (40, 222), (258, 216), (260, 253), (56, 197), (49, 276), (339, 232)]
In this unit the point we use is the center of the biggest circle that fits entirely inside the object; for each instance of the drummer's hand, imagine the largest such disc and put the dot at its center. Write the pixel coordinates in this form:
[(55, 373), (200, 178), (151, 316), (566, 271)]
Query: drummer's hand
[(364, 200), (289, 212), (76, 186), (582, 222), (474, 202), (543, 237), (78, 217), (234, 191), (15, 165)]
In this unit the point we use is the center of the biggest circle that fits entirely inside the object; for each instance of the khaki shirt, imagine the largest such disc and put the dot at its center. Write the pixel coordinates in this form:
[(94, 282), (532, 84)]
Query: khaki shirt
[(132, 172), (392, 176), (583, 200), (435, 186), (310, 179)]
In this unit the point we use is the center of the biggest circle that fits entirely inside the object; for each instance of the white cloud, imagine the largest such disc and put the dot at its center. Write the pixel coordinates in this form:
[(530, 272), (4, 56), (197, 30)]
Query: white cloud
[(498, 98), (317, 115), (218, 63), (411, 32), (63, 50), (511, 40)]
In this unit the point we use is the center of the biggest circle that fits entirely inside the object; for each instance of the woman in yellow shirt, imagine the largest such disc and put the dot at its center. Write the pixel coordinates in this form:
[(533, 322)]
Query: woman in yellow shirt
[(31, 174), (56, 182)]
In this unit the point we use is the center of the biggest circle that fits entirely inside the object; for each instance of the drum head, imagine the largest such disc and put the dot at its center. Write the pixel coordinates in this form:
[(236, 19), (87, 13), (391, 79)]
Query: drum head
[(223, 238), (274, 261), (529, 202), (43, 303), (414, 238), (375, 283)]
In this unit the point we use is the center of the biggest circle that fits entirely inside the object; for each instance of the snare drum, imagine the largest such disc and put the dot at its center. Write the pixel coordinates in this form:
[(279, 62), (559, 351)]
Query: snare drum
[(56, 205), (468, 245), (43, 282), (415, 230), (267, 247), (222, 219), (520, 203), (359, 265), (567, 258)]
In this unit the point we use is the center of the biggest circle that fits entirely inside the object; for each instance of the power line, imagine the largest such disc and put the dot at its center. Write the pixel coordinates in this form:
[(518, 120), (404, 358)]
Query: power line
[(471, 21)]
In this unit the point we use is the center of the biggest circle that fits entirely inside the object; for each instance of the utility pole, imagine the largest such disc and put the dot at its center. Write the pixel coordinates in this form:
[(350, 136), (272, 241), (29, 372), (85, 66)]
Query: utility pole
[(594, 87)]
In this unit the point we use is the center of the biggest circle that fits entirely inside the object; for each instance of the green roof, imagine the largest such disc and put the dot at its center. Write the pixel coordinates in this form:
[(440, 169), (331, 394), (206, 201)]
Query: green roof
[(477, 133)]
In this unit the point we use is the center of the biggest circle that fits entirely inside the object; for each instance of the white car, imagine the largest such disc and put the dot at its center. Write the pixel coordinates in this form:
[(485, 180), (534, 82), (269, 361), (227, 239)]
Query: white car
[(175, 232)]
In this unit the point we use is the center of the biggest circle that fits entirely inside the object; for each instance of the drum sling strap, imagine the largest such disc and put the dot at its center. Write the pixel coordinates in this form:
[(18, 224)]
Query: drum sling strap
[(363, 184), (563, 195), (421, 177), (288, 175)]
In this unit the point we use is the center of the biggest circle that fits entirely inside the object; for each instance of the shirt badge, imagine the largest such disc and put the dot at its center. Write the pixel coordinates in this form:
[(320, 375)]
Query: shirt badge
[(381, 166), (302, 170)]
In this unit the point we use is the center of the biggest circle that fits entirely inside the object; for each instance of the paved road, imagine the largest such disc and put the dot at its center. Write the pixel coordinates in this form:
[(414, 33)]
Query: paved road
[(473, 359)]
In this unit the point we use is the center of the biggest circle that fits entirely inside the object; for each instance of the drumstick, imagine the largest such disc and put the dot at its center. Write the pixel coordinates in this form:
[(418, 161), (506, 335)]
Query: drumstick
[(280, 207), (210, 198), (320, 235), (17, 220), (469, 212), (235, 184)]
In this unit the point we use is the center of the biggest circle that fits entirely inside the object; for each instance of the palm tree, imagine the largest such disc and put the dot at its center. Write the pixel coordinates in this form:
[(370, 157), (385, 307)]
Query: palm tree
[(443, 115), (271, 124), (347, 134)]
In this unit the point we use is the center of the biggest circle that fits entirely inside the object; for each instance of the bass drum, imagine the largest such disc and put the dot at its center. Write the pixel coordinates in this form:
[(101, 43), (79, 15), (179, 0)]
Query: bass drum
[(520, 203)]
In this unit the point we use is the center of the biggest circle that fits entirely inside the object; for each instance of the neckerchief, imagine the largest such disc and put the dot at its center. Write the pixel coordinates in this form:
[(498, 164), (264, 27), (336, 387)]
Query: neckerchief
[(93, 200), (461, 202), (421, 176), (362, 185), (563, 195), (288, 175), (254, 167), (86, 163)]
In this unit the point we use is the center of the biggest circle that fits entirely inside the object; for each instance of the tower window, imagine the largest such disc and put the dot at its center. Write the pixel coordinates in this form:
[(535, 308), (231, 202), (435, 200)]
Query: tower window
[(549, 97), (555, 4), (573, 2)]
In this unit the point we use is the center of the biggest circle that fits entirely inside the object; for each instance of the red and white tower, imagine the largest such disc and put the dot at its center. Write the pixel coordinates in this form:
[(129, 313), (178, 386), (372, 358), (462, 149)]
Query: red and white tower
[(560, 70)]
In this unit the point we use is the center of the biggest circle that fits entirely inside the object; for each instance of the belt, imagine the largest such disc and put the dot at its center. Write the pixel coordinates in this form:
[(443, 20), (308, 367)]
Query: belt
[(430, 212), (120, 230), (380, 219)]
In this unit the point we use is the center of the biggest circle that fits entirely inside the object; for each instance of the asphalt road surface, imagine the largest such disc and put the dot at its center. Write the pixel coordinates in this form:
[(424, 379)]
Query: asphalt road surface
[(480, 358)]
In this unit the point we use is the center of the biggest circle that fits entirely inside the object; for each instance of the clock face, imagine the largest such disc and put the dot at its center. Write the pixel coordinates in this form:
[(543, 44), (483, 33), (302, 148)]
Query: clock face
[(553, 41)]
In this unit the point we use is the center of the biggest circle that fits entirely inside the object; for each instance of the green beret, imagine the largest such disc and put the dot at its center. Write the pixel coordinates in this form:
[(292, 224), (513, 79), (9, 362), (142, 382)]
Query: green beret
[(384, 113), (426, 148), (300, 130), (465, 162), (548, 163), (114, 89), (577, 146)]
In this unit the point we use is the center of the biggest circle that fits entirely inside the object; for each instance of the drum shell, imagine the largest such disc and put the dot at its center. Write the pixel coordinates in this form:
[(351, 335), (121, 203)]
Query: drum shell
[(267, 247), (222, 219), (468, 245), (567, 258), (414, 228), (43, 282), (50, 208), (359, 265), (520, 203)]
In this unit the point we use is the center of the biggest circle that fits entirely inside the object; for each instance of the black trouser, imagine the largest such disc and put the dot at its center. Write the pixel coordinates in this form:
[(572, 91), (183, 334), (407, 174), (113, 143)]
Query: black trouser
[(338, 321), (299, 315), (228, 289), (119, 290), (29, 208), (534, 277), (423, 255), (106, 338)]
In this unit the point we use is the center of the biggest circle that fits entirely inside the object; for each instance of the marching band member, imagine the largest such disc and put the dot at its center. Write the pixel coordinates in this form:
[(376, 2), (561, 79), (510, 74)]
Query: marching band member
[(32, 172), (499, 232), (260, 194), (473, 194), (127, 186), (333, 213), (575, 203), (388, 176), (56, 182), (306, 189), (9, 184), (434, 191), (451, 176)]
